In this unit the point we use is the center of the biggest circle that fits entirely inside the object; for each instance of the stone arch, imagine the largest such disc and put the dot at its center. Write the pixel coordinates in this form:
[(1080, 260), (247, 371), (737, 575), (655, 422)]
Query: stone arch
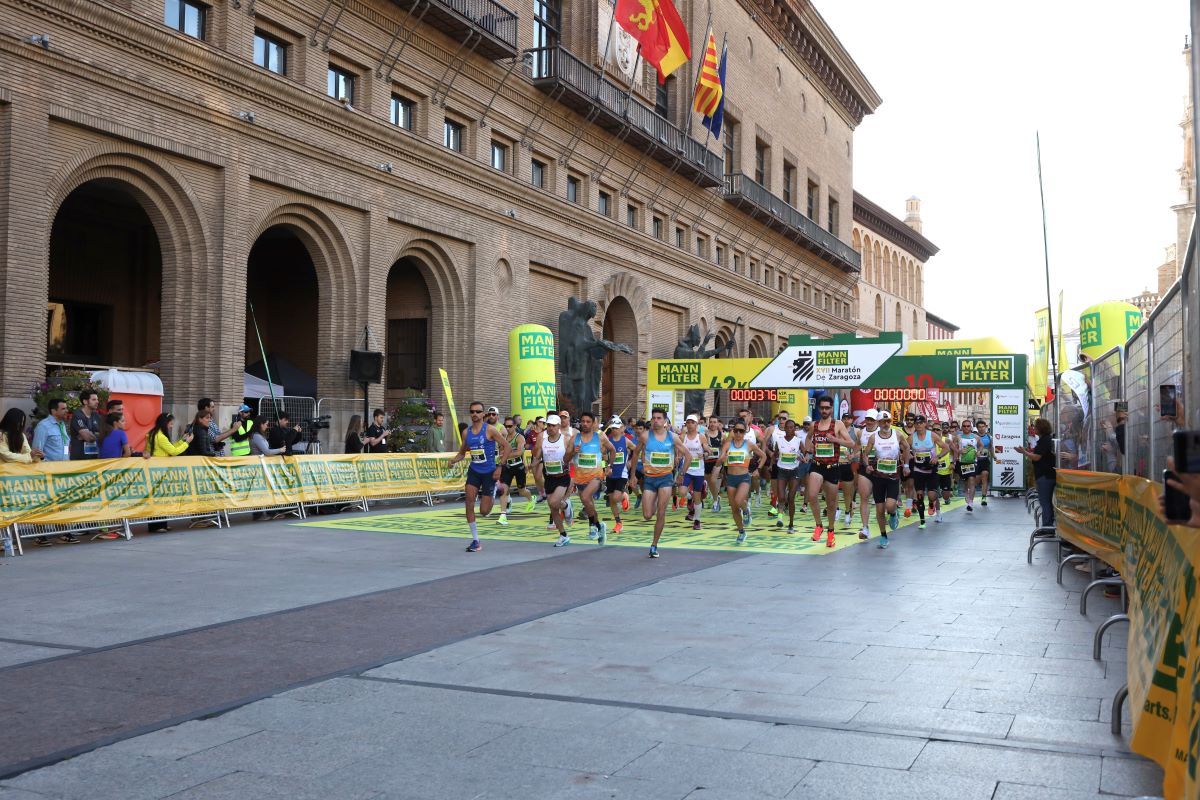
[(904, 278), (619, 376), (879, 312), (916, 334), (447, 304), (920, 270), (876, 263), (627, 288), (856, 242), (176, 215), (757, 348), (896, 274)]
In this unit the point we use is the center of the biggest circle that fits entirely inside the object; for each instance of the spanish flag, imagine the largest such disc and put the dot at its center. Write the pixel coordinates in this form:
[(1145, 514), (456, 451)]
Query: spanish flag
[(660, 33), (709, 88)]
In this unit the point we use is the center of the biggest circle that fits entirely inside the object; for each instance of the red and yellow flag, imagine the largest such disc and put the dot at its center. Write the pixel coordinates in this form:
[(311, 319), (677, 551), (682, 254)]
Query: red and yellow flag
[(659, 31), (708, 88)]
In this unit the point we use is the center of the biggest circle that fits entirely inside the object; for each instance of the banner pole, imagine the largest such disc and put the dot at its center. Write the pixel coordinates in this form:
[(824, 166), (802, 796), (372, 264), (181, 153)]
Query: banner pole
[(266, 364), (1049, 309)]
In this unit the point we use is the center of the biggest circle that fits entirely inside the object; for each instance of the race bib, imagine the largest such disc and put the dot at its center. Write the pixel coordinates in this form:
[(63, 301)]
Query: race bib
[(887, 465), (660, 458), (589, 460), (619, 458), (516, 462), (984, 452), (921, 456), (694, 464), (968, 469), (788, 460), (824, 450), (91, 449), (713, 453), (553, 467), (737, 457), (478, 456)]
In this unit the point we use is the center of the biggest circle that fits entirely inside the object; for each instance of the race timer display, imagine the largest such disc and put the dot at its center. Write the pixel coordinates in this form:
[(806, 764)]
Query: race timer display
[(752, 395)]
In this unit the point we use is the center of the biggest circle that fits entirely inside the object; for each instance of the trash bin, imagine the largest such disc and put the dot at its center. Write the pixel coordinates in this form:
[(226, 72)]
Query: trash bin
[(142, 393)]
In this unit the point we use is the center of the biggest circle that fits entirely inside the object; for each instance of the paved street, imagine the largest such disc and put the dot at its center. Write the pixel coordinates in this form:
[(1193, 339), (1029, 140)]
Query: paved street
[(273, 660)]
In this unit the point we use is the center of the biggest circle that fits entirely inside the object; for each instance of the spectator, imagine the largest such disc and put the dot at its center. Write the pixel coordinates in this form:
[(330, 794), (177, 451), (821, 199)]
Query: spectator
[(202, 439), (240, 431), (518, 424), (115, 443), (158, 441), (283, 434), (259, 446), (51, 438), (376, 435), (435, 440), (111, 407), (14, 447), (354, 438), (1044, 475), (85, 427), (216, 436)]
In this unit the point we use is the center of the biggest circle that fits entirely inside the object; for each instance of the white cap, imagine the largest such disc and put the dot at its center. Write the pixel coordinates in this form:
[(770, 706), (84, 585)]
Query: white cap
[(885, 415), (554, 419), (872, 413), (493, 410), (808, 419), (693, 418), (615, 422)]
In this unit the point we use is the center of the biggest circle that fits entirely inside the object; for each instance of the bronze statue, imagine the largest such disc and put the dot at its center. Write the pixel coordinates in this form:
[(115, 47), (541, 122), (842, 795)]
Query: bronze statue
[(691, 346), (581, 354)]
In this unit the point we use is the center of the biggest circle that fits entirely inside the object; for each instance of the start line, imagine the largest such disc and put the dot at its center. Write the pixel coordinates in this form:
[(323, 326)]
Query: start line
[(717, 533)]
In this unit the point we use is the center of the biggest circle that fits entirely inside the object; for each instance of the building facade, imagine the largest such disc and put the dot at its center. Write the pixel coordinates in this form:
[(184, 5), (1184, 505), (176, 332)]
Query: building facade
[(419, 178), (891, 286), (938, 328)]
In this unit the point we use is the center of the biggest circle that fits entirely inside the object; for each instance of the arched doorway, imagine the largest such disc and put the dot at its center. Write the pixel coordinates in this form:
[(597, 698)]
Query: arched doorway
[(105, 289), (409, 313), (618, 393), (281, 289)]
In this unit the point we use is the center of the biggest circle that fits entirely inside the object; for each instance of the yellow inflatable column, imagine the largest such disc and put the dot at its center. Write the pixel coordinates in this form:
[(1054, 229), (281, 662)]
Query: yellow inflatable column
[(531, 371), (1106, 325)]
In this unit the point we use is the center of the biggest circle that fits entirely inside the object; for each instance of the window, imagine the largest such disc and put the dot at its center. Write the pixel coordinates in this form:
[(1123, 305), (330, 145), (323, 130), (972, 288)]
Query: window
[(185, 16), (662, 98), (789, 184), (753, 270), (538, 176), (572, 189), (452, 136), (631, 216), (270, 53), (767, 276), (657, 228), (499, 156), (340, 85), (779, 288), (702, 246), (760, 162), (817, 298), (402, 112), (679, 237), (605, 204), (807, 292), (833, 216), (720, 255), (814, 200), (546, 17), (737, 263), (730, 131)]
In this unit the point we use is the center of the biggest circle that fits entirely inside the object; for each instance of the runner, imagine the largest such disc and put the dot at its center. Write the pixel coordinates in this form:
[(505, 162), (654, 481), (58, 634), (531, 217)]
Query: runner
[(927, 448), (551, 456), (658, 449), (787, 452), (847, 463), (956, 475), (771, 440), (736, 456), (592, 455), (891, 452), (639, 473), (805, 462), (615, 486), (968, 456), (532, 436), (482, 441), (513, 472), (712, 455), (691, 474), (910, 493), (828, 437), (983, 466), (863, 481), (945, 470)]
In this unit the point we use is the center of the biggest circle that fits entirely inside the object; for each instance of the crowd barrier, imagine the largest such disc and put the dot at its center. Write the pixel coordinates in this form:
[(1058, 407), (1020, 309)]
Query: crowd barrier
[(1116, 519), (135, 489)]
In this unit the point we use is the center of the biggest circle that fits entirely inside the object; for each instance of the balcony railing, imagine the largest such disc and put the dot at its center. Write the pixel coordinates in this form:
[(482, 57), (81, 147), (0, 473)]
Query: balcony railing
[(492, 23), (613, 108), (749, 194)]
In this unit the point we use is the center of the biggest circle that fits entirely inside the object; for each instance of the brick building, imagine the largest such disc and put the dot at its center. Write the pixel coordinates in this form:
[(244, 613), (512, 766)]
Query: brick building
[(938, 328), (891, 286), (434, 173)]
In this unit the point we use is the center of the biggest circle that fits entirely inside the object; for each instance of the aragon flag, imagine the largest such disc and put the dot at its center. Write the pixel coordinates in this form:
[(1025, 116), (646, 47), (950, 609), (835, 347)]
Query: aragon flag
[(659, 31)]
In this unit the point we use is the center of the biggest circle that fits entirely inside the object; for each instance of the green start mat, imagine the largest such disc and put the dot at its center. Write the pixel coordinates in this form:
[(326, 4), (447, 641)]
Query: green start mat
[(717, 530)]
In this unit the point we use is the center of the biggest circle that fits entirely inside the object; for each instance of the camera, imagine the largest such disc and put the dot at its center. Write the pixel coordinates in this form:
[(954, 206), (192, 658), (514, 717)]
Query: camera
[(318, 423)]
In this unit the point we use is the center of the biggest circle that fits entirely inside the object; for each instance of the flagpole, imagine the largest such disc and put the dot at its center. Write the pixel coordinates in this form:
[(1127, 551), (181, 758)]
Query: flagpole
[(612, 20), (1049, 307), (687, 129)]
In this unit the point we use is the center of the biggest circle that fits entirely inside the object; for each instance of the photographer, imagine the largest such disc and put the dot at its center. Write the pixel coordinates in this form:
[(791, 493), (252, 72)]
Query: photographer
[(375, 436), (283, 435)]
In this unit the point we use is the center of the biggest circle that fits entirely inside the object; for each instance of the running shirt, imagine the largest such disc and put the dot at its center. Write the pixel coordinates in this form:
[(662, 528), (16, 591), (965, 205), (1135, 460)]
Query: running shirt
[(516, 460), (985, 445), (713, 452), (887, 454), (871, 457), (482, 450), (776, 436), (695, 446), (789, 453), (825, 446), (658, 456), (589, 458), (751, 434), (621, 445), (922, 452), (945, 464), (553, 453), (968, 452), (738, 455), (844, 453)]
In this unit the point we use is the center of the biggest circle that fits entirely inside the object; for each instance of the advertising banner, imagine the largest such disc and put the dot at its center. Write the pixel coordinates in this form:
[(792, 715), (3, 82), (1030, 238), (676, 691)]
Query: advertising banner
[(702, 373), (1008, 433), (836, 362), (1105, 326), (531, 371), (1039, 370), (450, 406), (1116, 518)]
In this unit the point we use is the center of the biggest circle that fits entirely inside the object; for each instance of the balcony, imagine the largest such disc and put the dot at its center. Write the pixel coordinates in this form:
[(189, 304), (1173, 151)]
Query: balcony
[(611, 106), (491, 23), (750, 195)]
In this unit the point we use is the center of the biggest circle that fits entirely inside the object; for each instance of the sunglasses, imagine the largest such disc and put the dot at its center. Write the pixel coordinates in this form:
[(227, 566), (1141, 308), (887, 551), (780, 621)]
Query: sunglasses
[(510, 426), (476, 411)]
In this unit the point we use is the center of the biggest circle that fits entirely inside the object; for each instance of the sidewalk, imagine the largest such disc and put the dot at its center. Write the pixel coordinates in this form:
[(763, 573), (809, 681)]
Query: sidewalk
[(943, 667)]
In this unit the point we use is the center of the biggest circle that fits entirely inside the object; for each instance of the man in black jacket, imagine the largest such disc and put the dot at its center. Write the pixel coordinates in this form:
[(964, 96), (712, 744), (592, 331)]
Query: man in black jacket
[(283, 434)]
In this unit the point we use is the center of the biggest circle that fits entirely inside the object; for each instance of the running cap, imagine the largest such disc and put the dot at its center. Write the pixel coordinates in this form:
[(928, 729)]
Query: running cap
[(885, 415), (807, 420), (692, 418), (244, 409), (554, 419), (872, 413), (493, 410), (920, 418)]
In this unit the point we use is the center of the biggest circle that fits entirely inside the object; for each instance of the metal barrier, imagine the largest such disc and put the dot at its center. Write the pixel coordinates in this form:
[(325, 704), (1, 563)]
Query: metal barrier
[(1107, 388), (1137, 394), (340, 410), (298, 409), (1166, 368)]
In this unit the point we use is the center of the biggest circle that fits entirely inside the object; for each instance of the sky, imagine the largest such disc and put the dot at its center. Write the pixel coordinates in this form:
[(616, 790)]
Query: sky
[(965, 88)]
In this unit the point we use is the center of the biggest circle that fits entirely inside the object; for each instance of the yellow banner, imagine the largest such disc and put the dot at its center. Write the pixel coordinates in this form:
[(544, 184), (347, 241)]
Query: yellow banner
[(450, 405), (1039, 367), (137, 488), (1116, 518), (702, 373), (985, 346)]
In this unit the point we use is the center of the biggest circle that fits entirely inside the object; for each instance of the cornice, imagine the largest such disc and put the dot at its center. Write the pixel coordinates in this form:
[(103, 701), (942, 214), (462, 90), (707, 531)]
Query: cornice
[(870, 214), (941, 323)]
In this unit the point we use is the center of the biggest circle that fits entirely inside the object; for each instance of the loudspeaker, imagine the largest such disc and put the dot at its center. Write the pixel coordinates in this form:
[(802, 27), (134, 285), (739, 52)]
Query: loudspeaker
[(366, 366)]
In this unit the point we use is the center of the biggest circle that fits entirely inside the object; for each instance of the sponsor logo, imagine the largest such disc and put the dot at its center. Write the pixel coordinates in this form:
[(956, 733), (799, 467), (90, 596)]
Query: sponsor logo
[(1008, 411), (679, 373), (1089, 330), (952, 351), (833, 358), (985, 371), (171, 481), (538, 394), (535, 344), (803, 366), (1008, 477), (22, 493)]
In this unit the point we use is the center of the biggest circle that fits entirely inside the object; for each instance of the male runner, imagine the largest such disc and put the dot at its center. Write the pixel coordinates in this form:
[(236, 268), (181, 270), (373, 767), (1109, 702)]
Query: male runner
[(805, 462), (713, 436), (787, 452), (513, 473), (927, 448), (658, 450), (968, 457), (847, 477), (771, 438), (691, 476), (736, 456), (984, 465), (482, 441), (828, 436), (907, 484), (639, 474), (615, 486), (532, 436), (945, 470), (891, 456), (592, 456), (863, 482), (551, 455)]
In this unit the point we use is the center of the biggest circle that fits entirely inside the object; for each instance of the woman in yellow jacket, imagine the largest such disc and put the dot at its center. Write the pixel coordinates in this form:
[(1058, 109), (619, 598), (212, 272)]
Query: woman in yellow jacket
[(159, 445)]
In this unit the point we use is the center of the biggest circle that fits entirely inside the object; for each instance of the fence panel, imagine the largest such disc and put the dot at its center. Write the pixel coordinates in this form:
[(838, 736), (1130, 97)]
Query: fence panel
[(1137, 394), (1106, 390), (1166, 370), (339, 410), (1073, 425), (1190, 282), (298, 409)]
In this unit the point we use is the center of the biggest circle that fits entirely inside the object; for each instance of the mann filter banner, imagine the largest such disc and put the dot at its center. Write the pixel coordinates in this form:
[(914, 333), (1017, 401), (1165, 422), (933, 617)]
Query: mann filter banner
[(702, 373), (1008, 433), (1105, 326), (1115, 518), (136, 488), (531, 371), (833, 363)]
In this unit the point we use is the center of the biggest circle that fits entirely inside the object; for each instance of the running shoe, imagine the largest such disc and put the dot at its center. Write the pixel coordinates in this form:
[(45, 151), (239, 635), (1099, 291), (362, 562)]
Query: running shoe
[(617, 527), (691, 515), (818, 534), (937, 517), (741, 537), (570, 518), (883, 542), (894, 520), (653, 551), (921, 527), (593, 532), (42, 541), (773, 511), (716, 505), (637, 501), (530, 505), (474, 546), (563, 540), (778, 523), (907, 513), (604, 533), (503, 518), (969, 509), (747, 516), (804, 508), (864, 534), (695, 524), (829, 541), (983, 502), (791, 529), (625, 503), (550, 526)]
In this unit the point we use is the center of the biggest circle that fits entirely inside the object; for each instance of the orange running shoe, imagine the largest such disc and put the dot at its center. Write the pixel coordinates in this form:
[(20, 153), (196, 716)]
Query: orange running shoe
[(908, 512), (617, 528), (829, 541), (819, 533), (625, 505)]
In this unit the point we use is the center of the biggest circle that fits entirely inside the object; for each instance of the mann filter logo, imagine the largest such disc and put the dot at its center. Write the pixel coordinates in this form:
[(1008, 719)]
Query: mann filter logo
[(1089, 330), (1008, 410), (538, 394), (535, 345), (171, 482), (985, 371), (1133, 321), (952, 351), (833, 358), (679, 373), (803, 366)]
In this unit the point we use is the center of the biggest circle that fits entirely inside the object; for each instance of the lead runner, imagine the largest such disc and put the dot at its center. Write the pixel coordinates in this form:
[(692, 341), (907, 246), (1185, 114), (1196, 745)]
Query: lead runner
[(483, 441)]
